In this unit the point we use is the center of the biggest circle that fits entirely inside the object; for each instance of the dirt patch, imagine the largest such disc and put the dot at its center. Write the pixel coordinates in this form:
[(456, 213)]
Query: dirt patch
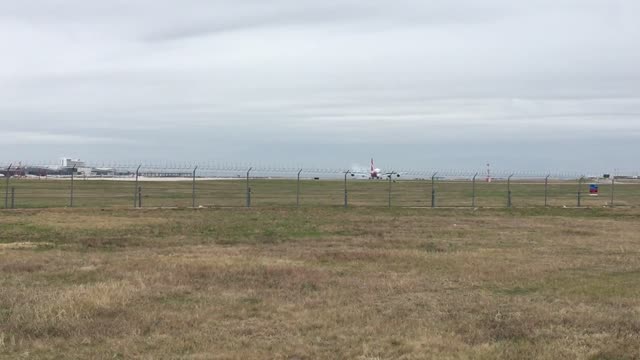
[(25, 245)]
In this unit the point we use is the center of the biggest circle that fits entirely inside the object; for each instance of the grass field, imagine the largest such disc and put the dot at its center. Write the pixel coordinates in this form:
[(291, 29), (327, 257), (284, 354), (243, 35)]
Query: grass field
[(277, 192), (320, 283)]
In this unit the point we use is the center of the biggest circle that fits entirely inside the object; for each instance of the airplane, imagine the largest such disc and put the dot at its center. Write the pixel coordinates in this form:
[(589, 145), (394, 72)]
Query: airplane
[(375, 173)]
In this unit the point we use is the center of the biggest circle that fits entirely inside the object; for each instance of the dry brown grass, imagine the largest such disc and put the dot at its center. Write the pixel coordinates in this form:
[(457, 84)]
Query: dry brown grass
[(320, 283)]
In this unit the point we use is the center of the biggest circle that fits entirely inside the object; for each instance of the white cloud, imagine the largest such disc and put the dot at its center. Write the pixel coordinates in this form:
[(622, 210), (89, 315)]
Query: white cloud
[(328, 72), (43, 138)]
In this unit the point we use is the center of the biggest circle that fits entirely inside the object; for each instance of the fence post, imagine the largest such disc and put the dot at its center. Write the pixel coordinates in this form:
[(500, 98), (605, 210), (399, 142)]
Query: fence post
[(473, 194), (546, 190), (135, 189), (140, 196), (509, 203), (613, 187), (433, 189), (580, 190), (390, 182), (73, 170), (193, 189), (248, 189), (6, 190), (13, 197), (298, 189), (346, 196)]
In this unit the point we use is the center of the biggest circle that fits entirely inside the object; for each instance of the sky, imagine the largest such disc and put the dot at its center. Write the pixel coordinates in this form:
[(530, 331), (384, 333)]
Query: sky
[(420, 84)]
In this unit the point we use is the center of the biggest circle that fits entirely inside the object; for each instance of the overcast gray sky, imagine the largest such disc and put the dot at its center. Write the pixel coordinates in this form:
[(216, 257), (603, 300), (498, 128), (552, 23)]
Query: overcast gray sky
[(415, 83)]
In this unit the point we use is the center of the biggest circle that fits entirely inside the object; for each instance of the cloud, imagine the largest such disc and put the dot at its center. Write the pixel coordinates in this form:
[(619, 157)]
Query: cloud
[(339, 72), (44, 138)]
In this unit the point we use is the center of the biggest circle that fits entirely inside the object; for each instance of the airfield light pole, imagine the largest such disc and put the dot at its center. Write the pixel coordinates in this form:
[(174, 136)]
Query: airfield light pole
[(473, 194), (73, 170), (248, 188), (580, 182), (509, 203), (433, 189), (298, 189), (135, 189), (6, 190), (546, 190), (346, 196), (193, 188)]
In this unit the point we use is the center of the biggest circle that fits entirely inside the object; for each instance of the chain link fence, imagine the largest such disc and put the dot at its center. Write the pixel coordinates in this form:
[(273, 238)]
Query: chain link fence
[(151, 186)]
